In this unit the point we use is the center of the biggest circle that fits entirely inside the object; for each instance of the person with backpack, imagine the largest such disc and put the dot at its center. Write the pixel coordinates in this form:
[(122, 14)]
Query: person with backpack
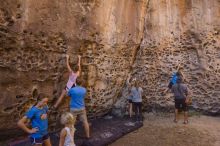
[(37, 115), (180, 92)]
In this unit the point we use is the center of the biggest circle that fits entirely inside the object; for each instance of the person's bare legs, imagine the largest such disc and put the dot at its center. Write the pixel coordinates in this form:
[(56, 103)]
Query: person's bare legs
[(176, 116), (130, 109), (185, 117), (85, 123), (47, 142), (60, 98), (86, 128)]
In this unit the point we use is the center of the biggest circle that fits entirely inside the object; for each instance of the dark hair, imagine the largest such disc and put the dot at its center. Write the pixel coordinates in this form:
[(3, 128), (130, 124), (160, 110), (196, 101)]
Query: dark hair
[(40, 97), (75, 68), (79, 81), (179, 80), (35, 93), (178, 73)]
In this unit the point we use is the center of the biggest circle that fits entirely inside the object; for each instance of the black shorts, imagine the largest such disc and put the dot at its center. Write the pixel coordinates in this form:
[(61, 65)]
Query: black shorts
[(170, 85), (39, 140), (130, 101), (137, 107), (181, 104)]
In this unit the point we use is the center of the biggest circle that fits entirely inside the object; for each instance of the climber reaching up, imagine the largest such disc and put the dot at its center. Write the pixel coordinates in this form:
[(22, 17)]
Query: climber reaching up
[(73, 74), (174, 77)]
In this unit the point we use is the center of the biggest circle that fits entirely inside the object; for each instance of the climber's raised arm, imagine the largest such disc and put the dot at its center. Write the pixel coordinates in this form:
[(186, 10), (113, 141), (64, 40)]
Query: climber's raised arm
[(67, 63), (79, 65)]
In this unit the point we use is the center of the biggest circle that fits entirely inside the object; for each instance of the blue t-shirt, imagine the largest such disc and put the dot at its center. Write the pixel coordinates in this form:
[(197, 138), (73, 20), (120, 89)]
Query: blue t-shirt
[(39, 120), (174, 78), (77, 95)]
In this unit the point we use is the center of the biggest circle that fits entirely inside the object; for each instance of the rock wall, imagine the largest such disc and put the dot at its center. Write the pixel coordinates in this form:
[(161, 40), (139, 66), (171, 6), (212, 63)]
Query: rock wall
[(146, 38), (36, 35), (186, 32)]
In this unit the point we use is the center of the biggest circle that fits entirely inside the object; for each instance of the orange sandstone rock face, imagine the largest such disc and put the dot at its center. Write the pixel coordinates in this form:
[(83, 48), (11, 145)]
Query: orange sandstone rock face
[(146, 38), (36, 35), (186, 32)]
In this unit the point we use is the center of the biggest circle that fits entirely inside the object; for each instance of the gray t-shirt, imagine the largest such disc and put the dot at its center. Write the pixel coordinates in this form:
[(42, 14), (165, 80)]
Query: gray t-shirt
[(180, 91), (136, 94)]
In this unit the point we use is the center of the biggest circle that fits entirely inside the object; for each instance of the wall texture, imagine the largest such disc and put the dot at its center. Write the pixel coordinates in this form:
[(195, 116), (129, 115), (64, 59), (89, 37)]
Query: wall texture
[(185, 32), (144, 38)]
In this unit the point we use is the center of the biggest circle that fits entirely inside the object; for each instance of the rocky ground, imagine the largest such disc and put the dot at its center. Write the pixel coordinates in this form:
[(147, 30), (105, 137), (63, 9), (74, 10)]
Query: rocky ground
[(159, 130)]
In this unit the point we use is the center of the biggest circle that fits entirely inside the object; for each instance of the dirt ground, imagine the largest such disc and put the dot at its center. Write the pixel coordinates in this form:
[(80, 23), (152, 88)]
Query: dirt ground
[(160, 130)]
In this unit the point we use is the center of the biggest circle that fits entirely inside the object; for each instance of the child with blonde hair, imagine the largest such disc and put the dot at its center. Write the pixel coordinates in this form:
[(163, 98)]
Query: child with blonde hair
[(67, 133)]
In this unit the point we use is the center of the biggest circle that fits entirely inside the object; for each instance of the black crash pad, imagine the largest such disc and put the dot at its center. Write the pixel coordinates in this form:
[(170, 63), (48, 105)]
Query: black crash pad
[(104, 131)]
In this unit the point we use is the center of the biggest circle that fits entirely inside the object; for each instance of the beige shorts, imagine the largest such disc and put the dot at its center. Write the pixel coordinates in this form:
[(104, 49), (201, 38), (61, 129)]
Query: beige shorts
[(80, 113)]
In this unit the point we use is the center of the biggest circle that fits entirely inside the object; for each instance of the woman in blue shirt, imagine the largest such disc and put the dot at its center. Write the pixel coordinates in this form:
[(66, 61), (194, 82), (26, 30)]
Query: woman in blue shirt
[(37, 115)]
